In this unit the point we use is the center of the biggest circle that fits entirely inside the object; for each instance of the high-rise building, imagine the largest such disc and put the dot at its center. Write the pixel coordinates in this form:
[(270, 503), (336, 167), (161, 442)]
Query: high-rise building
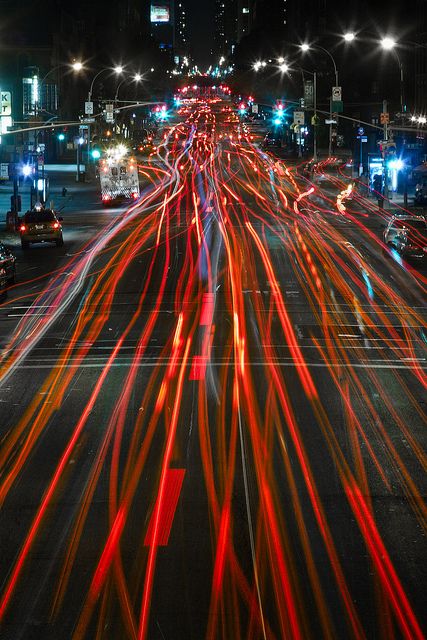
[(181, 32), (420, 53), (245, 13), (225, 32), (270, 16), (162, 21)]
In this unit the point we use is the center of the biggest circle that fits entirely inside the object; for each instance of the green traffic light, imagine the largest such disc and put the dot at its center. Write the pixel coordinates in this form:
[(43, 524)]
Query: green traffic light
[(61, 137), (96, 154)]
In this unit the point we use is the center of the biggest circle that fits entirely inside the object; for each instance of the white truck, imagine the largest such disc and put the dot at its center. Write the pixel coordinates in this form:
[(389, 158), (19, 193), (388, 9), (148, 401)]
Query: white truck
[(118, 175)]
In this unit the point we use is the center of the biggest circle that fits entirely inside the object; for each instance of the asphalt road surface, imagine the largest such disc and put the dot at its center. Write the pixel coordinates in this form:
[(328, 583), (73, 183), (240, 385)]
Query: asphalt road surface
[(212, 410)]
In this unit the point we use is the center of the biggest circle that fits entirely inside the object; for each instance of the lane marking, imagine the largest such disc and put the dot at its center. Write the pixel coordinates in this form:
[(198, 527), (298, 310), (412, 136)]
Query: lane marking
[(281, 363)]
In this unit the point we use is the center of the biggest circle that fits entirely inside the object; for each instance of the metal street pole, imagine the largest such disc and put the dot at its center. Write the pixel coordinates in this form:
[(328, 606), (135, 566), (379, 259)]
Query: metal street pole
[(78, 162), (328, 53), (315, 117), (385, 151)]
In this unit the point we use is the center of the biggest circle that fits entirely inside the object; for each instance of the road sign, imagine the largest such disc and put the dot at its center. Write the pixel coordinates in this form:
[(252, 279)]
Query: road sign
[(329, 121), (336, 94), (315, 120), (361, 131), (255, 108), (362, 138), (387, 144), (109, 108), (88, 120), (308, 93), (6, 103), (109, 117), (4, 171), (89, 108), (385, 118), (336, 106), (299, 117)]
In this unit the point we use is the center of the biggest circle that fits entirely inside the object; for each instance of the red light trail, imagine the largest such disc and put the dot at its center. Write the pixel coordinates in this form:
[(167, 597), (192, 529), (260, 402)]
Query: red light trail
[(209, 328)]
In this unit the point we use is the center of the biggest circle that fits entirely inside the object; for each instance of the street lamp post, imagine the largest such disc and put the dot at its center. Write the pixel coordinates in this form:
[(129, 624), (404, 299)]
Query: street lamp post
[(306, 47), (75, 66), (285, 69), (389, 44), (314, 74), (118, 69), (136, 78)]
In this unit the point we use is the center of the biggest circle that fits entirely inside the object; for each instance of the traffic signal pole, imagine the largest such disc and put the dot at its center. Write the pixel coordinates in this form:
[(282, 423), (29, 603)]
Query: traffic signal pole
[(385, 132), (315, 117)]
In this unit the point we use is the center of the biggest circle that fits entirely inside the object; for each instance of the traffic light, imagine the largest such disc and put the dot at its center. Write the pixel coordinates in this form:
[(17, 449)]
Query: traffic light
[(278, 114), (95, 153), (61, 137)]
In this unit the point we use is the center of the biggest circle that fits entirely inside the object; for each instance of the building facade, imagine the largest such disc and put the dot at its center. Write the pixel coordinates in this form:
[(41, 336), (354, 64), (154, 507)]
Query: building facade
[(225, 28)]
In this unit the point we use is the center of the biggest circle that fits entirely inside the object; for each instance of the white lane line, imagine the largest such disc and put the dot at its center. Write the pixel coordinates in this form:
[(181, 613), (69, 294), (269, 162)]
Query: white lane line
[(280, 363)]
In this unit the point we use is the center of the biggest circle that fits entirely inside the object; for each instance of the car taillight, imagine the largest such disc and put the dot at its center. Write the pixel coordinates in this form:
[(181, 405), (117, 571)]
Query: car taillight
[(56, 225), (22, 227), (106, 197), (134, 196)]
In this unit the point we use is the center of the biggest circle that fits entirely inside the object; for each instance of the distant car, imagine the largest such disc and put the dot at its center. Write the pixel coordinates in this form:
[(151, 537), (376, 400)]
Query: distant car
[(408, 236), (7, 267), (421, 192), (40, 225), (272, 140), (255, 119)]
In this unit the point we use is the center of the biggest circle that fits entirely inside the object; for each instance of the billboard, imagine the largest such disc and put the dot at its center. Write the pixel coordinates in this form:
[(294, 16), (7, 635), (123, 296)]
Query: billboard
[(159, 13)]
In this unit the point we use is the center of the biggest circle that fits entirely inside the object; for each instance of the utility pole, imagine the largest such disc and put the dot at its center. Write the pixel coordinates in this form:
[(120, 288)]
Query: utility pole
[(315, 117), (385, 131)]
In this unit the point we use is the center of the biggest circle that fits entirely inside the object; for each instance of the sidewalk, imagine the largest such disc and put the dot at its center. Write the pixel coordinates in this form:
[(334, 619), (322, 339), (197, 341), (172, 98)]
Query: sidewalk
[(79, 194)]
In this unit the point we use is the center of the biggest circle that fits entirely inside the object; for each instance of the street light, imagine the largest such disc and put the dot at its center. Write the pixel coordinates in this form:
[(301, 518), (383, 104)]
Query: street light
[(349, 36), (314, 74), (306, 47), (75, 66), (388, 43), (284, 68), (136, 78), (118, 70)]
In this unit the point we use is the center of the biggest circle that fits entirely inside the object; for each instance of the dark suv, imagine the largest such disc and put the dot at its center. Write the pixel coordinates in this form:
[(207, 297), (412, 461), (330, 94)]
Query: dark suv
[(408, 236), (40, 225)]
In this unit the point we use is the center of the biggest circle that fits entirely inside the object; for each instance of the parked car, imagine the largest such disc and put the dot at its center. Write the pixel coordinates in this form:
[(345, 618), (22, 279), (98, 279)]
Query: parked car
[(408, 236), (7, 267), (421, 192), (272, 140), (40, 225)]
